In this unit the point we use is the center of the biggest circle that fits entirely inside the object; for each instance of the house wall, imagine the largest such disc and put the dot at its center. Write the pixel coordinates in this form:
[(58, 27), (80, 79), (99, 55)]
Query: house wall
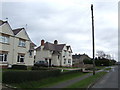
[(42, 54), (5, 29), (13, 48), (55, 60), (29, 61)]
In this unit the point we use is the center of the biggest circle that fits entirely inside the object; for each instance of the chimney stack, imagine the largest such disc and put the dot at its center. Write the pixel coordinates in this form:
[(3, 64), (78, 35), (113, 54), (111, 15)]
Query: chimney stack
[(55, 42), (42, 42)]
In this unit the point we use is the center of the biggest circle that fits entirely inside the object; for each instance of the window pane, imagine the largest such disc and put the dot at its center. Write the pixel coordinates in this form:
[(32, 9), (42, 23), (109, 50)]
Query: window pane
[(0, 38), (18, 58), (1, 57), (21, 59), (5, 57)]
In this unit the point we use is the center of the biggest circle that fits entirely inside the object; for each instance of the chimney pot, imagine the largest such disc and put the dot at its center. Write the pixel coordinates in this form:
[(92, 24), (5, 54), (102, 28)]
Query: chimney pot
[(55, 42), (42, 42)]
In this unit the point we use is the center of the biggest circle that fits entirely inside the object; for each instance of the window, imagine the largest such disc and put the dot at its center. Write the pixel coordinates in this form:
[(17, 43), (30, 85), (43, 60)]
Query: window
[(30, 53), (21, 43), (4, 39), (69, 54), (64, 61), (69, 60), (3, 57), (20, 58), (64, 52), (58, 56)]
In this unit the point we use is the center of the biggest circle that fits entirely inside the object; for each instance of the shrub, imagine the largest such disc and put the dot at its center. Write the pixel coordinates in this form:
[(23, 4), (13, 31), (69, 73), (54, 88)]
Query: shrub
[(19, 67), (23, 76), (39, 68), (72, 71)]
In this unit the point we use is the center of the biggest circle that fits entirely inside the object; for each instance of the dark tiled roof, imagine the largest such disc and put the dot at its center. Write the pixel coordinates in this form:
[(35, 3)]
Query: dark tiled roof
[(2, 22), (76, 56), (16, 31), (80, 56), (52, 47)]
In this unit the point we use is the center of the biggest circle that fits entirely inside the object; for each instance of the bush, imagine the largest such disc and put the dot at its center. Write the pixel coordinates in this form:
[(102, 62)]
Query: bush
[(23, 76), (72, 71), (39, 68), (19, 67)]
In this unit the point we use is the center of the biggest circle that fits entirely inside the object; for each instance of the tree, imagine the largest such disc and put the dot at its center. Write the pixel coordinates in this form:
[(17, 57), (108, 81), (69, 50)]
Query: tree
[(101, 54)]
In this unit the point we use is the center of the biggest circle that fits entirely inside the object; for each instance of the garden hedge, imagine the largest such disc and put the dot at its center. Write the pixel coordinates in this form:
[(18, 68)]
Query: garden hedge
[(23, 76)]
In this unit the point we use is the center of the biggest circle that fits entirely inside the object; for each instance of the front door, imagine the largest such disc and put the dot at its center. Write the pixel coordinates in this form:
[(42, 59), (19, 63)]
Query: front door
[(49, 62)]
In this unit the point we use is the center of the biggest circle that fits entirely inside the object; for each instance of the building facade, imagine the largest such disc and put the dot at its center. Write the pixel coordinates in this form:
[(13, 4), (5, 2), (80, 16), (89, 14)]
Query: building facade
[(78, 59), (55, 54), (15, 46)]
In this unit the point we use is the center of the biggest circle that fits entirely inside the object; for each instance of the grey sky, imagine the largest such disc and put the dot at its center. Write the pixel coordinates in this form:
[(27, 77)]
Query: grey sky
[(68, 21)]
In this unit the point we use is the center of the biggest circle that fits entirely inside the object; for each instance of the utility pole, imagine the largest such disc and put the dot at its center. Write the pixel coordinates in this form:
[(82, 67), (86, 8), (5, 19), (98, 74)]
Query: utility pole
[(93, 39)]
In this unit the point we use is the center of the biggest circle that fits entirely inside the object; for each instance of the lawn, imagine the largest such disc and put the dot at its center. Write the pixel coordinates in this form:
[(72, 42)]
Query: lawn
[(48, 81), (86, 82), (107, 69)]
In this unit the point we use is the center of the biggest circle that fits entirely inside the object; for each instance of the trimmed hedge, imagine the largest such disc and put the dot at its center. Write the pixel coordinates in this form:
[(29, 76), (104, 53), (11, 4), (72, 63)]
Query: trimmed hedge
[(23, 76), (39, 68), (72, 71), (19, 67)]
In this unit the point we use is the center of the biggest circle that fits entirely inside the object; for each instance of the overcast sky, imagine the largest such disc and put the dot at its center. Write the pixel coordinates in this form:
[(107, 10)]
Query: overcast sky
[(68, 21)]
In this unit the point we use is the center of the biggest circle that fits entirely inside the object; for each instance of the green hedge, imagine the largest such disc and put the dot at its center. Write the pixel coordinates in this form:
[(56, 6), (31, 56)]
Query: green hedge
[(39, 68), (72, 71), (23, 76), (19, 67)]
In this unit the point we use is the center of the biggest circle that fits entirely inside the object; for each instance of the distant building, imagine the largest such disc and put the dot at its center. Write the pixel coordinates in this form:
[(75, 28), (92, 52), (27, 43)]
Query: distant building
[(78, 59), (15, 46), (54, 53)]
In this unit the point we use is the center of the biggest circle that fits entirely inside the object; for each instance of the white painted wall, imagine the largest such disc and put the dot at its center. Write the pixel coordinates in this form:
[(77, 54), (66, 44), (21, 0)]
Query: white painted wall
[(13, 48)]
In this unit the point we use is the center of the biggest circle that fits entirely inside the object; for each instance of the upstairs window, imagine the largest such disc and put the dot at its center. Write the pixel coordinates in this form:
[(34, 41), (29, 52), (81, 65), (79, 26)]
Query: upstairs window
[(4, 39), (65, 52), (21, 43)]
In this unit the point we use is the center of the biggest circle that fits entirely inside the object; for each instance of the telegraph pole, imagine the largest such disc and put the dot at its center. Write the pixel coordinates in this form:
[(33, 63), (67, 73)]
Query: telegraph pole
[(93, 39)]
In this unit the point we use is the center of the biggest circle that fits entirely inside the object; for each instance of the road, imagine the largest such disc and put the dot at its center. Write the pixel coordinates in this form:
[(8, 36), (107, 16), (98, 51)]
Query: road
[(110, 80)]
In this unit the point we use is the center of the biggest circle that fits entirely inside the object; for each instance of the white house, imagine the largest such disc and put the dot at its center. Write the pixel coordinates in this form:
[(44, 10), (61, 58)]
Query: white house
[(15, 46), (54, 53)]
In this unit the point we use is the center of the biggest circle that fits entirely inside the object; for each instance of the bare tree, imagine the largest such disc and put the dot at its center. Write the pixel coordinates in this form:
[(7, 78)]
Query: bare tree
[(101, 54)]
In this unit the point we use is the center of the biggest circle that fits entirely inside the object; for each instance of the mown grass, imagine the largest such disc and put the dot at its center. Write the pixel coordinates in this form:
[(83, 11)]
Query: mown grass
[(86, 82), (48, 81), (107, 69)]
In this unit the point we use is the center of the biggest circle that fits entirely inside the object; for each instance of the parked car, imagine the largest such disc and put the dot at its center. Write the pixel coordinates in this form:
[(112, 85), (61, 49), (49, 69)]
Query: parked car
[(41, 64)]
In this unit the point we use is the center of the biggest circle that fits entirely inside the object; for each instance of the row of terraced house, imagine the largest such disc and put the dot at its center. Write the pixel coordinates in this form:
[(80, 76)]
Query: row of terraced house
[(17, 48)]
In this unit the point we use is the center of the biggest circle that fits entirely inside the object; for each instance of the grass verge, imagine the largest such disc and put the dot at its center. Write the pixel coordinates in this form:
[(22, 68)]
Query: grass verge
[(86, 82), (48, 81)]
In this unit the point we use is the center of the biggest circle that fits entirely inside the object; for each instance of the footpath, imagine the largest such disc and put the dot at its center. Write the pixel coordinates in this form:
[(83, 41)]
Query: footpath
[(72, 81)]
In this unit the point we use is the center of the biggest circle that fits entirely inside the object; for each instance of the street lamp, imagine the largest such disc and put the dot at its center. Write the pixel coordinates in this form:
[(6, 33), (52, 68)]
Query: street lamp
[(93, 39)]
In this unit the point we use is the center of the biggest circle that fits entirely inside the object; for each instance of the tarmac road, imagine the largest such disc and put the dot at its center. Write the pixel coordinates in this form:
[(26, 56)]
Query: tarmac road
[(110, 80)]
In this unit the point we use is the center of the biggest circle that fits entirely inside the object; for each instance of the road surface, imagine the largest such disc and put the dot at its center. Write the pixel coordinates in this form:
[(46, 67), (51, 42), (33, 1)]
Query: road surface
[(110, 80)]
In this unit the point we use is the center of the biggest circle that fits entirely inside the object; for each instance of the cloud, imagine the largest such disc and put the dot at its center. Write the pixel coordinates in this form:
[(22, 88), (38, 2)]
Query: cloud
[(68, 21)]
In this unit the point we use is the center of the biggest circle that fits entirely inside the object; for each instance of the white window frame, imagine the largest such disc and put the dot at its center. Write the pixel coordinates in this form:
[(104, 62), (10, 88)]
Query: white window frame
[(2, 55), (64, 61), (20, 56), (69, 60), (4, 39), (21, 43)]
